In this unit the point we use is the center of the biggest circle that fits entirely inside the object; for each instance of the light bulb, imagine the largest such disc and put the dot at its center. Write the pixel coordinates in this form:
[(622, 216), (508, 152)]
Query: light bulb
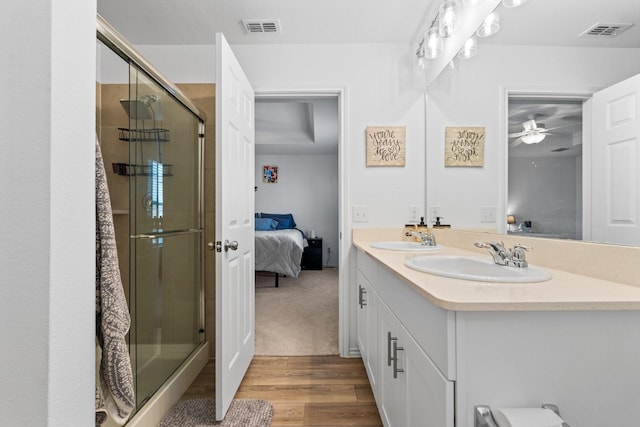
[(433, 42), (448, 18), (533, 138), (469, 49), (421, 61), (513, 3), (490, 26)]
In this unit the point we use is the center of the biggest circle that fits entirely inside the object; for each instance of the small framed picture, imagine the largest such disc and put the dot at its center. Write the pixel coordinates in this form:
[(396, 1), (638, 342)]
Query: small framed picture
[(270, 174)]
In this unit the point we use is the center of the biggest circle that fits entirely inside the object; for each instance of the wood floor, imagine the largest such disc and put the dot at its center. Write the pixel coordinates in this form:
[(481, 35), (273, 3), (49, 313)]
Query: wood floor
[(304, 390)]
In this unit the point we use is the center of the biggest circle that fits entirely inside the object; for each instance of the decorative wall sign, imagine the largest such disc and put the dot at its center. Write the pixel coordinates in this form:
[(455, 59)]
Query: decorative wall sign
[(270, 174), (464, 146), (386, 145)]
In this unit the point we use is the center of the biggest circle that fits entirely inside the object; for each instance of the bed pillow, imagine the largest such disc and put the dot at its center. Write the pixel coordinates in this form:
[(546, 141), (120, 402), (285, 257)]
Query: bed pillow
[(266, 224), (285, 221)]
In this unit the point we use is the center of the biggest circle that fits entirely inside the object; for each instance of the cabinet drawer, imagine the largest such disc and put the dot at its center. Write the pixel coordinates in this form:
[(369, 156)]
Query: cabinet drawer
[(368, 266)]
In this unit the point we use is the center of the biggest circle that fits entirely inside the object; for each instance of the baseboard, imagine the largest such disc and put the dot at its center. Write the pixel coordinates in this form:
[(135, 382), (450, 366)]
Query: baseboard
[(354, 352), (172, 390)]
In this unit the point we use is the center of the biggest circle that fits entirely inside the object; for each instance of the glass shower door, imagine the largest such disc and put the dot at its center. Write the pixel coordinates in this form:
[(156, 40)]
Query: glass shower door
[(166, 227)]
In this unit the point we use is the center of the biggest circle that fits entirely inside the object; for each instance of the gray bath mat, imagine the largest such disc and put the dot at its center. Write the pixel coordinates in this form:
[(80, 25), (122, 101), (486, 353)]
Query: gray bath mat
[(202, 413)]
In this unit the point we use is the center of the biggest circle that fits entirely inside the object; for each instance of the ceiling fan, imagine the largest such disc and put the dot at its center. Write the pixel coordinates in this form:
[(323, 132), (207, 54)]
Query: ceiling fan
[(532, 132)]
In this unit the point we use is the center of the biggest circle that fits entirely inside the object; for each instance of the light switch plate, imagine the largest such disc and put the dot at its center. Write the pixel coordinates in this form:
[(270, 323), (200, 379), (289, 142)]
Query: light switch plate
[(487, 214), (361, 214)]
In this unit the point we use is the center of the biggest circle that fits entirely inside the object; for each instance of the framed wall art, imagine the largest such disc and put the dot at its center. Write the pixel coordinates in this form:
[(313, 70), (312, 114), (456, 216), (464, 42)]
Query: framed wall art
[(270, 174), (386, 145), (464, 146)]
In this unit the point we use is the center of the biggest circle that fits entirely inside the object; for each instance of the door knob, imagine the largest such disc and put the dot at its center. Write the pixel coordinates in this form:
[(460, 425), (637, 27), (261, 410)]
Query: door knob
[(230, 245), (211, 246)]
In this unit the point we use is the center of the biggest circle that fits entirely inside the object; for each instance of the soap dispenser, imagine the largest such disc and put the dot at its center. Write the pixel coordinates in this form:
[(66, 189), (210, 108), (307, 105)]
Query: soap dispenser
[(422, 226), (438, 224)]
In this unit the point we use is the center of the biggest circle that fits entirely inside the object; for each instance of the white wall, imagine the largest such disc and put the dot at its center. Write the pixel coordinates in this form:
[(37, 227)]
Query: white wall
[(379, 88), (47, 175), (307, 187), (472, 95), (545, 191)]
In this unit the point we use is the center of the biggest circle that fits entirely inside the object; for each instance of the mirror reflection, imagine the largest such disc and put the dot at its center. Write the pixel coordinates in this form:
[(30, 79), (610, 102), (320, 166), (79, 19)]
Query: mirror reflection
[(545, 168), (556, 183)]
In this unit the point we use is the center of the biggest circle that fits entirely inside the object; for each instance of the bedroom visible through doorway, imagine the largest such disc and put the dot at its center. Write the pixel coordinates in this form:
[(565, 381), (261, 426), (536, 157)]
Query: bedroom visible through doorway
[(297, 187)]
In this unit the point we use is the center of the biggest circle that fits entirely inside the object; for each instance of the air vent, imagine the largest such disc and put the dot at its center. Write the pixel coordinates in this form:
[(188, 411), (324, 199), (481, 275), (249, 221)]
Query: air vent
[(262, 26), (557, 150), (606, 30)]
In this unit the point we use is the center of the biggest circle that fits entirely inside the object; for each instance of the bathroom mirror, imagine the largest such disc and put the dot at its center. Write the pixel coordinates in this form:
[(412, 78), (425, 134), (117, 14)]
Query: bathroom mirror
[(539, 52)]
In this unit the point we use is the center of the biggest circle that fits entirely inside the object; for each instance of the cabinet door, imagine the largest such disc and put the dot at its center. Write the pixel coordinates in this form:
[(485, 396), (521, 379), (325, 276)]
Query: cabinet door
[(367, 329), (429, 395), (413, 392), (392, 390)]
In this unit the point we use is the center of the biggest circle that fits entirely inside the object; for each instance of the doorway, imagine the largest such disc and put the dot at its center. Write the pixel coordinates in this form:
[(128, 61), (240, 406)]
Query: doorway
[(298, 142), (544, 178)]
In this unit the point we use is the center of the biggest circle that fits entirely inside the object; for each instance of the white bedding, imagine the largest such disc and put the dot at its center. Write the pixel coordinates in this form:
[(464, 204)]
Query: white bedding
[(279, 251)]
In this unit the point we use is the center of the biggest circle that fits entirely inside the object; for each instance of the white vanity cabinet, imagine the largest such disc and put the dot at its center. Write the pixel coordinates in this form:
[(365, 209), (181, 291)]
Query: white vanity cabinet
[(409, 388), (585, 361)]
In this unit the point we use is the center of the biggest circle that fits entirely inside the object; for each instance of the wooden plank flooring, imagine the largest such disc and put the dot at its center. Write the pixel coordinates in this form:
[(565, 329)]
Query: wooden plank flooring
[(304, 390)]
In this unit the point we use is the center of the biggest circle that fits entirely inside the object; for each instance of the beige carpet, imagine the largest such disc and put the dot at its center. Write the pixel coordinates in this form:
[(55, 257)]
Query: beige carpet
[(299, 318)]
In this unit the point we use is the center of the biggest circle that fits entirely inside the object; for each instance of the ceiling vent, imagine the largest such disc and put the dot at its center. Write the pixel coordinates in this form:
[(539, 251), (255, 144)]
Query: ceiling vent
[(607, 30), (262, 26)]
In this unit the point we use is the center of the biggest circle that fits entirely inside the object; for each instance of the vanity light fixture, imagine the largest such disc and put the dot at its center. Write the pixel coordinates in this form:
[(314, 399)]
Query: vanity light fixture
[(469, 49), (513, 3), (448, 21), (421, 60), (490, 26), (533, 138), (434, 43)]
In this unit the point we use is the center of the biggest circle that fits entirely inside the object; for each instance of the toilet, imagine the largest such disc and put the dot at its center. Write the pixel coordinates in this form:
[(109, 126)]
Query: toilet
[(548, 415)]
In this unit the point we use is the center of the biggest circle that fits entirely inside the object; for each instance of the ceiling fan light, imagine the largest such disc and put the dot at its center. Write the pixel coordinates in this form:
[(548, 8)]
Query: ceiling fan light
[(533, 138), (513, 3), (490, 26)]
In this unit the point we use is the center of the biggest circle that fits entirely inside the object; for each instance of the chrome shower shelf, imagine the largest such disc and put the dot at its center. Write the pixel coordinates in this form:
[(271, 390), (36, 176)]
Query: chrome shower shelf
[(143, 135), (126, 169)]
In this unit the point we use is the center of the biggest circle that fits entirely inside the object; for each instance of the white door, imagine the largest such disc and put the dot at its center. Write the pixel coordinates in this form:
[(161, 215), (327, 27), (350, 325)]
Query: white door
[(615, 182), (235, 293)]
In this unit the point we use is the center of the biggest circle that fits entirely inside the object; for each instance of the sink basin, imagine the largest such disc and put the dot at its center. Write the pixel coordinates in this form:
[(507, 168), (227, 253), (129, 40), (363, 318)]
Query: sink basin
[(405, 246), (481, 270)]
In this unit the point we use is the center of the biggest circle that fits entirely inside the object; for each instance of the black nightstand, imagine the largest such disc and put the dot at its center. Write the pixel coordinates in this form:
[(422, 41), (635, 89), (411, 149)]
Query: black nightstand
[(312, 255)]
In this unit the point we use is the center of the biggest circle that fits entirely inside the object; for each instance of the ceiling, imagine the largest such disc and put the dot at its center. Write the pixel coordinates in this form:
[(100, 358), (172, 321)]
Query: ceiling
[(192, 22), (537, 22), (297, 125), (562, 119)]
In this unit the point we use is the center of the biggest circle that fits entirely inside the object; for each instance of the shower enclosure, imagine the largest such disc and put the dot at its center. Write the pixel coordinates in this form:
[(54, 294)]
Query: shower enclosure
[(152, 142)]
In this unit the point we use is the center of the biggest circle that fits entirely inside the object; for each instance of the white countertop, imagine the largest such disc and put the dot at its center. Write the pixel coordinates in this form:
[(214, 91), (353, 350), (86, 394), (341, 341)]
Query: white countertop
[(565, 291)]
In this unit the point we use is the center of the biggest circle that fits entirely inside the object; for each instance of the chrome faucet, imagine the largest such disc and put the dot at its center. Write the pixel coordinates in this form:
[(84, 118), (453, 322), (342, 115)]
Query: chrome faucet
[(515, 257), (427, 239)]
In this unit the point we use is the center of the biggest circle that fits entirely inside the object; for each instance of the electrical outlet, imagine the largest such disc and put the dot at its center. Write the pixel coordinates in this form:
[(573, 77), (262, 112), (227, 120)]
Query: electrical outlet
[(414, 214), (361, 214), (487, 214), (434, 211)]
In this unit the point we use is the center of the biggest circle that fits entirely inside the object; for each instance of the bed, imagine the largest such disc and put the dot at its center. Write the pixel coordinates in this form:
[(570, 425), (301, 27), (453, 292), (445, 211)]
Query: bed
[(278, 245)]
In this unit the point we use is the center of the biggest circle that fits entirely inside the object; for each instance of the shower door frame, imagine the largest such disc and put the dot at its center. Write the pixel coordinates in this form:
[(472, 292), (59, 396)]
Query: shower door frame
[(153, 409)]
